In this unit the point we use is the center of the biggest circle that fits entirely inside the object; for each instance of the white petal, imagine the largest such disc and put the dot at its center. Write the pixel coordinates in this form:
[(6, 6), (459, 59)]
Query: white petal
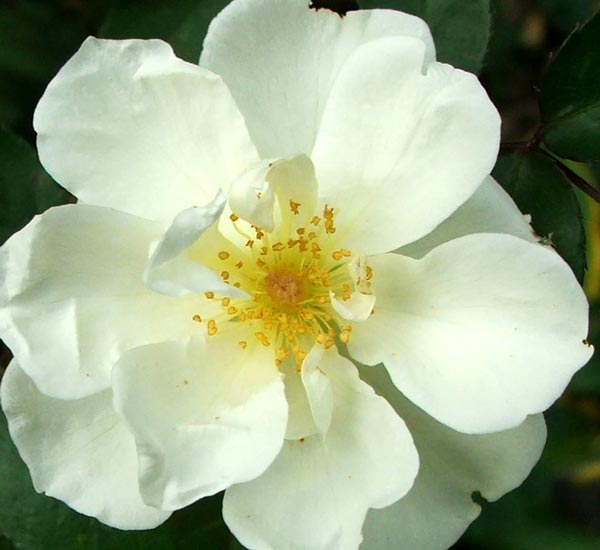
[(319, 390), (77, 451), (252, 196), (357, 308), (170, 271), (317, 492), (300, 417), (489, 210), (73, 299), (401, 146), (483, 331), (439, 507), (280, 59), (204, 416), (309, 395), (128, 125)]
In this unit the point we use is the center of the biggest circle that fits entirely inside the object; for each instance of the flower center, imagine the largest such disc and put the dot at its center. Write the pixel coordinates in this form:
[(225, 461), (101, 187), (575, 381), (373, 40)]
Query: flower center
[(285, 287), (291, 275)]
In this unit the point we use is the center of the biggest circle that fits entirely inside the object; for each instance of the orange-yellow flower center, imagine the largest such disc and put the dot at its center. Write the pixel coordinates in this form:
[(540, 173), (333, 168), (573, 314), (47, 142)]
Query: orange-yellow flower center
[(285, 287), (290, 275)]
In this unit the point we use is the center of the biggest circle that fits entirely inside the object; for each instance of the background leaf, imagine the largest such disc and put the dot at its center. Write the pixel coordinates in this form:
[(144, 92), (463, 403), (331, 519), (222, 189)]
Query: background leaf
[(540, 189), (25, 188), (570, 97), (460, 28), (36, 39), (183, 24)]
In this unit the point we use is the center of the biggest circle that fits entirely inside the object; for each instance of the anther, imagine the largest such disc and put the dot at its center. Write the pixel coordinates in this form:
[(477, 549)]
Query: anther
[(197, 318), (223, 255), (212, 327)]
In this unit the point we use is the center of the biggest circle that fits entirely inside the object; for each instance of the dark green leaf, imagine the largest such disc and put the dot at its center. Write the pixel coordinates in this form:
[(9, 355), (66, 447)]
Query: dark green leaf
[(415, 7), (183, 24), (460, 28), (25, 189), (36, 39), (570, 97), (540, 189), (36, 522), (587, 380), (565, 15)]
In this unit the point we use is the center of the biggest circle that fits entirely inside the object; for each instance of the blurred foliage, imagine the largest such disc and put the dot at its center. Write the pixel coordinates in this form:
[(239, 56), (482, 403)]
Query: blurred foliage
[(183, 24), (549, 99), (24, 185), (461, 30), (570, 97), (540, 188)]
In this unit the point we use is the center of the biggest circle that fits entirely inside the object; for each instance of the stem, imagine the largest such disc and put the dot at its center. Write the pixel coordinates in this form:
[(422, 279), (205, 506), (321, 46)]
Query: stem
[(575, 179)]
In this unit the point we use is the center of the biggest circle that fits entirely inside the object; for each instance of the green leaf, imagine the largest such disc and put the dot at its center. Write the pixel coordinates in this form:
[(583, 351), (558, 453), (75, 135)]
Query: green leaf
[(540, 189), (415, 7), (183, 24), (25, 188), (36, 39), (460, 28), (570, 97), (587, 380), (565, 15), (37, 522)]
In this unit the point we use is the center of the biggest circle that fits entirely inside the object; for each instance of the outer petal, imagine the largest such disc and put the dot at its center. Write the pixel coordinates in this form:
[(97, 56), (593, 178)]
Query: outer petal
[(77, 451), (204, 416), (483, 331), (489, 210), (72, 299), (402, 144), (128, 125), (317, 492), (280, 59), (439, 507)]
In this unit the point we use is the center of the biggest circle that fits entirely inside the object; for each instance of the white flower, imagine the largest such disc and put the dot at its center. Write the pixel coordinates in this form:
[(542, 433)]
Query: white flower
[(237, 238)]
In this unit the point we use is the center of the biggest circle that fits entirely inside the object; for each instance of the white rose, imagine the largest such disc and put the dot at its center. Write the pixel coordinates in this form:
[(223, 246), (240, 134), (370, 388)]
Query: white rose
[(189, 326)]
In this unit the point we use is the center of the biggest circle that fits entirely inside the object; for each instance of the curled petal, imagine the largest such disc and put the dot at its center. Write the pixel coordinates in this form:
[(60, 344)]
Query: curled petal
[(170, 271)]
